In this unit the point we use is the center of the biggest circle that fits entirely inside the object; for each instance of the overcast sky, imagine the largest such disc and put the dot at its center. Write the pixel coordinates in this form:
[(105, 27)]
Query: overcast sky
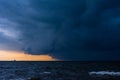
[(64, 29)]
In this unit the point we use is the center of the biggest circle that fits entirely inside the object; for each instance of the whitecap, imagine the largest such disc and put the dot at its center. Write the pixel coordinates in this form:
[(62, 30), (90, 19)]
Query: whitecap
[(102, 73)]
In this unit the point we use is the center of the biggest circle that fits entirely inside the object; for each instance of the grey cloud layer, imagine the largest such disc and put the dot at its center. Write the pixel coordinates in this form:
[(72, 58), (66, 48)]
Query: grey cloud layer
[(66, 29)]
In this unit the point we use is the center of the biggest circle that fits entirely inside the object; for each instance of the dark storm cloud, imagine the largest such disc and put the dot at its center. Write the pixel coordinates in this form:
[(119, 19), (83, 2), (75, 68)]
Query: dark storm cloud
[(66, 29)]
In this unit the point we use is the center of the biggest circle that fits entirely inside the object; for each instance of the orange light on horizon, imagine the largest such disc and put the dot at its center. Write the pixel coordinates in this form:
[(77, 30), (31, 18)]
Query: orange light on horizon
[(21, 56)]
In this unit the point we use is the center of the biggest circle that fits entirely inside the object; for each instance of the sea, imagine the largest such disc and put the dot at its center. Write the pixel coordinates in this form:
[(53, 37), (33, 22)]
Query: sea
[(59, 70)]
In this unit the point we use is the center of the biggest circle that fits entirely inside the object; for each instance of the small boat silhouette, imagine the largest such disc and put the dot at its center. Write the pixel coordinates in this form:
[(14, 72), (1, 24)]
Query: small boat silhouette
[(14, 60)]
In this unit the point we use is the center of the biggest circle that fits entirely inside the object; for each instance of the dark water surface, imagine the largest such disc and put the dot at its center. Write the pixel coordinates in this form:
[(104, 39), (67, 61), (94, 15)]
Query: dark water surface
[(72, 70)]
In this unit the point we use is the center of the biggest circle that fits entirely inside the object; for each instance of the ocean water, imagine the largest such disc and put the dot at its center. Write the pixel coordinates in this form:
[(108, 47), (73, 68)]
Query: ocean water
[(72, 70)]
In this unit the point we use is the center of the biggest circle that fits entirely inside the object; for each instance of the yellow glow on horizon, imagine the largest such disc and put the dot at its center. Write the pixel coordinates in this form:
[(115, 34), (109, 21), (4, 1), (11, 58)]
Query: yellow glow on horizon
[(21, 56)]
